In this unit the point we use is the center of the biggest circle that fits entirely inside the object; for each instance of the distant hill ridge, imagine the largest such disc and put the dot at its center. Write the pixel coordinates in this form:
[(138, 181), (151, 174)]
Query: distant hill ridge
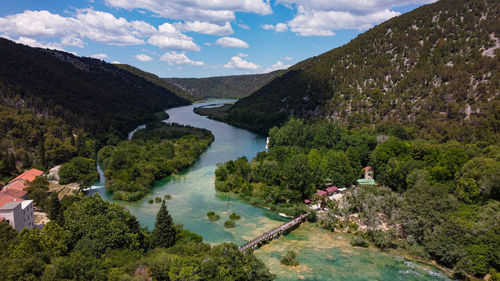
[(86, 93), (434, 69), (235, 86)]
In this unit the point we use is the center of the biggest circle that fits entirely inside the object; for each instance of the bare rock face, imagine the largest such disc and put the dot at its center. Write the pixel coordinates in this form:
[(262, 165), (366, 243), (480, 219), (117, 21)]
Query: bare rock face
[(143, 273)]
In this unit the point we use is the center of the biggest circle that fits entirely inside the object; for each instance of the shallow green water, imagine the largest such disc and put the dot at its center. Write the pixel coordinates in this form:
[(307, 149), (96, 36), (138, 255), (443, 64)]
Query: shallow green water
[(193, 194)]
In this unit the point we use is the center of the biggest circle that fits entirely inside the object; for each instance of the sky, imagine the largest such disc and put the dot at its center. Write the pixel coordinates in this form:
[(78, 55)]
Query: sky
[(195, 38)]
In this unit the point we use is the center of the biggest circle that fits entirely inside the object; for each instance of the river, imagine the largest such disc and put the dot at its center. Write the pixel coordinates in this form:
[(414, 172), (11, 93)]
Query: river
[(322, 255)]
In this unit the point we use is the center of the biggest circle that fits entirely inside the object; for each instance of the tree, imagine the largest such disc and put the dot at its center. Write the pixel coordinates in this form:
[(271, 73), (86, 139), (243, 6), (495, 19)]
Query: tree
[(163, 235), (55, 209)]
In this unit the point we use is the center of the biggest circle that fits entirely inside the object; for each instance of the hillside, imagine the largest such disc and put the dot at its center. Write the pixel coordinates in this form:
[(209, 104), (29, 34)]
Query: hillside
[(55, 106), (434, 70), (236, 86), (156, 80)]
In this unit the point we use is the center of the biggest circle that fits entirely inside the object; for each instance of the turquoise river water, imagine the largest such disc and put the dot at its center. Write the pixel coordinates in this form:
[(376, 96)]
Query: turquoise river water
[(322, 255)]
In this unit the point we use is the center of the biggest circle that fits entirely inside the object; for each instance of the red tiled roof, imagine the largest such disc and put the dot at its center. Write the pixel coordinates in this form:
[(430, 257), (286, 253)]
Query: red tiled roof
[(331, 189), (322, 193), (307, 201), (367, 168), (18, 184), (29, 175), (4, 199), (16, 193)]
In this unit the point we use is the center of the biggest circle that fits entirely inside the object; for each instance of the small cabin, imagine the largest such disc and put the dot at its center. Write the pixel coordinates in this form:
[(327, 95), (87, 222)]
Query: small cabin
[(331, 190), (368, 173)]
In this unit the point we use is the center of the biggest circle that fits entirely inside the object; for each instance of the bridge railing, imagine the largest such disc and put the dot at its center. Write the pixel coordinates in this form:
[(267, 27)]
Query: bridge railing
[(284, 227)]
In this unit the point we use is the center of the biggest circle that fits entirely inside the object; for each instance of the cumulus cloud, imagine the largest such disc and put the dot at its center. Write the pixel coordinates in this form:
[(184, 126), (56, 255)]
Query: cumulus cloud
[(99, 56), (143, 57), (206, 28), (179, 58), (202, 10), (279, 27), (94, 25), (37, 44), (237, 62), (278, 65), (231, 42), (323, 17)]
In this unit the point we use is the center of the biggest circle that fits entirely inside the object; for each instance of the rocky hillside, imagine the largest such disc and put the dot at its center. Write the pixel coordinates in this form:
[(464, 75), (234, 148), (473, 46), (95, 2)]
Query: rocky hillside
[(236, 86), (434, 69)]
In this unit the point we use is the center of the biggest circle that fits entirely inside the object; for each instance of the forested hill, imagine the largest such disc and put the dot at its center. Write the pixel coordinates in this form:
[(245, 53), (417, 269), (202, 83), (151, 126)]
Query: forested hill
[(153, 78), (435, 69), (236, 86), (86, 93)]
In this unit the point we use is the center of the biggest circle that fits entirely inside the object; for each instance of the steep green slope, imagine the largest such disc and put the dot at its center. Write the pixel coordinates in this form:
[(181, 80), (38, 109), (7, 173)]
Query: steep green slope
[(236, 86), (157, 80), (55, 106), (434, 69), (87, 93)]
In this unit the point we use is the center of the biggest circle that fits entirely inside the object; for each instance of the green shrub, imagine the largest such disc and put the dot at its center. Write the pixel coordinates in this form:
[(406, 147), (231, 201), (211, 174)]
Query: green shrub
[(358, 241), (229, 224), (212, 216), (150, 201), (290, 259), (167, 197), (234, 216), (158, 200)]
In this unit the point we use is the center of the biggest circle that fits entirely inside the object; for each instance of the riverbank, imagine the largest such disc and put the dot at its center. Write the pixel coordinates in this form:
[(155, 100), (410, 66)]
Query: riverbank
[(154, 152), (193, 195)]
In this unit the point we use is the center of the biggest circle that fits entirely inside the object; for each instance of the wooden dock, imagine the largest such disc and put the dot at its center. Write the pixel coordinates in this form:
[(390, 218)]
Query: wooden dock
[(270, 235)]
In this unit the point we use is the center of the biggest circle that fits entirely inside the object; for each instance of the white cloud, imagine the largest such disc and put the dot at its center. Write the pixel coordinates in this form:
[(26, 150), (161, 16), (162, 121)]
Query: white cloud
[(323, 17), (206, 27), (143, 57), (239, 63), (244, 26), (37, 44), (94, 25), (202, 10), (276, 66), (99, 56), (105, 27), (279, 27), (361, 7), (323, 23), (231, 42), (287, 58), (169, 37), (179, 58)]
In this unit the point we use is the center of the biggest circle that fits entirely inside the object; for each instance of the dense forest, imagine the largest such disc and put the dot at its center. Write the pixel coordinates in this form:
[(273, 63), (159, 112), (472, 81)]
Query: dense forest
[(434, 69), (159, 150), (235, 86), (92, 239), (442, 198), (55, 106)]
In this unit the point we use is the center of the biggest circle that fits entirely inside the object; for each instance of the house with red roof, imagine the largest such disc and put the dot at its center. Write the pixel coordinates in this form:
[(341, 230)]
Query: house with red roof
[(331, 190), (29, 175), (14, 208)]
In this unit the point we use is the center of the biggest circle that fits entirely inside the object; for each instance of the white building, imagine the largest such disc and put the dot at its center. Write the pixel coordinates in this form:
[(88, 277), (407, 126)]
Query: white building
[(19, 214)]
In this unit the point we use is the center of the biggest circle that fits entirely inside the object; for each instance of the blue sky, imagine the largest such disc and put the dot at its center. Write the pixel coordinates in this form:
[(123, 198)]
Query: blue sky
[(195, 38)]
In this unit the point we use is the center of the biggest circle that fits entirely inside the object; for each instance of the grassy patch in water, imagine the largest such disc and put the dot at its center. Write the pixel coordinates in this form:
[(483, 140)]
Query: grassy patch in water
[(290, 259), (212, 216), (167, 197), (234, 216), (229, 224)]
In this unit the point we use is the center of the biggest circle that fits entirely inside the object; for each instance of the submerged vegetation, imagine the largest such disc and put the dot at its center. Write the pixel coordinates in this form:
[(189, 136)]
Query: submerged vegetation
[(290, 259), (440, 199), (159, 150)]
